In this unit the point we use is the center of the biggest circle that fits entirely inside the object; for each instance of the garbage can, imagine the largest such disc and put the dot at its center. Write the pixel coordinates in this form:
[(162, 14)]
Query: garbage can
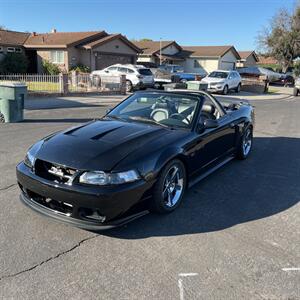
[(197, 85), (12, 97)]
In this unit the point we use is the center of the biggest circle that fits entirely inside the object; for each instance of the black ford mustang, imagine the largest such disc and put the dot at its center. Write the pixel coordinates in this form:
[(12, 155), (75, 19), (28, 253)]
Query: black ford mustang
[(140, 157)]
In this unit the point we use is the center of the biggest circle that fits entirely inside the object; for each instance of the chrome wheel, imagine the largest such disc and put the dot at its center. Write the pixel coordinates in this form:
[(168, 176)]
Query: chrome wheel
[(173, 185), (247, 142)]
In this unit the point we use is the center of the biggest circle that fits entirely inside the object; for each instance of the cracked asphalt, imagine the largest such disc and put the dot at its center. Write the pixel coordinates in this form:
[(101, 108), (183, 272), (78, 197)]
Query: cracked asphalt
[(235, 232)]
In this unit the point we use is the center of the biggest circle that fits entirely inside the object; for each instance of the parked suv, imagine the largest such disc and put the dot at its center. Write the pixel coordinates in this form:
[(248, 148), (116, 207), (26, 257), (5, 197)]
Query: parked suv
[(297, 87), (137, 76), (223, 81)]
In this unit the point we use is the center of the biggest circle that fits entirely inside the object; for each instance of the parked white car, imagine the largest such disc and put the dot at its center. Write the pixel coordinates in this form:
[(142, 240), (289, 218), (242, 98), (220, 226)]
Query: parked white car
[(137, 76), (223, 81)]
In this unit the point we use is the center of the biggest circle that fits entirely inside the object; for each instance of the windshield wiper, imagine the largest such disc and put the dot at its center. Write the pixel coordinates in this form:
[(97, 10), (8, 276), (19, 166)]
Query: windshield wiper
[(136, 118)]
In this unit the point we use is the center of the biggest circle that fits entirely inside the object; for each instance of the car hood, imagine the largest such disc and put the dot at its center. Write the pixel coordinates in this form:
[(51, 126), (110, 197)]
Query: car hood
[(98, 145), (212, 79)]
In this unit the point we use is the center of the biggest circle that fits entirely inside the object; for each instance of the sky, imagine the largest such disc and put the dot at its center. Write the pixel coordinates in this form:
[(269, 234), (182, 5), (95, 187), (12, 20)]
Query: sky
[(189, 22)]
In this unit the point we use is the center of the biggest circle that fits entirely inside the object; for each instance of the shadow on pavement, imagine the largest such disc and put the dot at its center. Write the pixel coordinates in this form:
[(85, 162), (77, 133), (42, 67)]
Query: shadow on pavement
[(265, 184)]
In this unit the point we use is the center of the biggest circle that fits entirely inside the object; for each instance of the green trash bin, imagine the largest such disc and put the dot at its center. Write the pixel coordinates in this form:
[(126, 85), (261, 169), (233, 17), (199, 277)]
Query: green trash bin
[(197, 85), (12, 97)]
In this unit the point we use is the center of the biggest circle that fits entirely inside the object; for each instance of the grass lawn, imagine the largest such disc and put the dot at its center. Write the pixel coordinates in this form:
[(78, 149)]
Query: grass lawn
[(43, 86)]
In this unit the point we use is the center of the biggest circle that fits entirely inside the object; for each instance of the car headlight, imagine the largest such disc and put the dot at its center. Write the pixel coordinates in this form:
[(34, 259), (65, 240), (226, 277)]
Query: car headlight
[(30, 157), (102, 178)]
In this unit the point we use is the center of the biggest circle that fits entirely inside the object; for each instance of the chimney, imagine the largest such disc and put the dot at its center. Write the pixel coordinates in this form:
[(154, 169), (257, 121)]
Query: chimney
[(53, 30), (34, 34)]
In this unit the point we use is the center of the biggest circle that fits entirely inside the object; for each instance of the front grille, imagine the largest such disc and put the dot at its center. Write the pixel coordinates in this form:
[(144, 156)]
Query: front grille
[(54, 172), (57, 206)]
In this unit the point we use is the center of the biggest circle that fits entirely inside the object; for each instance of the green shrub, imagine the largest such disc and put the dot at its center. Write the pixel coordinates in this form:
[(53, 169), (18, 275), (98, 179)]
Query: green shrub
[(81, 68), (50, 68), (14, 63)]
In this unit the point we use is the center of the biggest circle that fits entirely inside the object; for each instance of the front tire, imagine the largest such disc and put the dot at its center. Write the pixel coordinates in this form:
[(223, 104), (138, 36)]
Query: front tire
[(225, 90), (169, 188), (245, 145)]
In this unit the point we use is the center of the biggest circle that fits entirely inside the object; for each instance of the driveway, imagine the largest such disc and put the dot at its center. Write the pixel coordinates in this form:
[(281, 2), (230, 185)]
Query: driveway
[(236, 236)]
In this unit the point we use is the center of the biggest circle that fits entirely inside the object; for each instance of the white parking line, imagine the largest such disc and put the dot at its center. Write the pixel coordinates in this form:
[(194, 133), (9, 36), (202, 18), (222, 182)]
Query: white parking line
[(180, 283), (290, 269)]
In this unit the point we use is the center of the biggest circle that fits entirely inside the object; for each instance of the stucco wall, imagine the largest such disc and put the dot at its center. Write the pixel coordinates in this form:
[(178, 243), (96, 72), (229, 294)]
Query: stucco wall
[(206, 65), (170, 50), (250, 61), (115, 46), (228, 61)]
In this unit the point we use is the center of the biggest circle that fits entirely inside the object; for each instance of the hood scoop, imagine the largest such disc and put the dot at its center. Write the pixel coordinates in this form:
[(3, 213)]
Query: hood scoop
[(102, 134)]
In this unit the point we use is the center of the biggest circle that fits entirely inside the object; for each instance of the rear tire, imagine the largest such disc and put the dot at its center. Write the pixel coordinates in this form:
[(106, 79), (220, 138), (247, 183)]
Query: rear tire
[(245, 145), (2, 119), (169, 188), (238, 88), (225, 90), (295, 92)]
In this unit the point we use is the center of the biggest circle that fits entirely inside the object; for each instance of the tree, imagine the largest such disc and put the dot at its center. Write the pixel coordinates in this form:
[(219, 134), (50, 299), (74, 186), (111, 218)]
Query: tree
[(281, 39), (14, 63)]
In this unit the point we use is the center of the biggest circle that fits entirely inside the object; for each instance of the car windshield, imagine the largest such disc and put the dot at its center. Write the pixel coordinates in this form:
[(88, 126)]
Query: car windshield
[(162, 109), (218, 75)]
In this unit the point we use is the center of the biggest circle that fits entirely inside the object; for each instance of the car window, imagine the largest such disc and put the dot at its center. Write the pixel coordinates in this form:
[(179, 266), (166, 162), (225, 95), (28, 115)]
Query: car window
[(146, 72), (164, 109), (130, 71), (112, 68), (122, 70)]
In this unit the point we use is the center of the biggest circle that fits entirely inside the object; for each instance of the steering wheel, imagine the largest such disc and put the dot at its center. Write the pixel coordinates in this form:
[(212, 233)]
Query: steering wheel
[(180, 117)]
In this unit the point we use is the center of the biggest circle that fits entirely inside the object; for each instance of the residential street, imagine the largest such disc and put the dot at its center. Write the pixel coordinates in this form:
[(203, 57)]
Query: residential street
[(236, 236)]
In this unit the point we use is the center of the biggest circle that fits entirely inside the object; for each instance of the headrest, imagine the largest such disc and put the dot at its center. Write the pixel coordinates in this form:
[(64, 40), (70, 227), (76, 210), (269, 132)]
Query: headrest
[(208, 108)]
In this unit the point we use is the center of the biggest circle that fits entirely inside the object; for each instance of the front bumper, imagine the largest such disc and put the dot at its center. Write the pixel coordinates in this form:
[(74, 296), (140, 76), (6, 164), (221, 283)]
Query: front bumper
[(88, 207), (213, 88)]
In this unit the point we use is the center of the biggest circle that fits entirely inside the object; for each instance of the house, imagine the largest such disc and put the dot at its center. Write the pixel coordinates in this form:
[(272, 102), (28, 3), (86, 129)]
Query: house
[(157, 52), (205, 59), (95, 49), (248, 59), (12, 41)]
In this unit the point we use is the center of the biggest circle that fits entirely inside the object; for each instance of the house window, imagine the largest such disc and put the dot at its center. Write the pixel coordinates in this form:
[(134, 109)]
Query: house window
[(196, 64), (10, 49), (57, 57), (18, 50)]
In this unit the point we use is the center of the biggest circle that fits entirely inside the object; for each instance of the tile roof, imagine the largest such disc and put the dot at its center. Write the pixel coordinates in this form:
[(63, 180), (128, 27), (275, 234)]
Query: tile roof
[(265, 60), (110, 37), (151, 47), (209, 51), (13, 38), (61, 39)]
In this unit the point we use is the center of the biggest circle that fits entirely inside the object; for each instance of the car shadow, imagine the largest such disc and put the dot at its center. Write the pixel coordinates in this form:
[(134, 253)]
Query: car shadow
[(265, 184)]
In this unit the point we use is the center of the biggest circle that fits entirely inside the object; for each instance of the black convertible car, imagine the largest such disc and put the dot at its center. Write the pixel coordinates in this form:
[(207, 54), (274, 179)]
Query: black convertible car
[(140, 157)]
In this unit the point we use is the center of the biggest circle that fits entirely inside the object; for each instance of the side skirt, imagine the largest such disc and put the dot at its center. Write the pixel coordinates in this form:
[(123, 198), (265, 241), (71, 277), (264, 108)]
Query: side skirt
[(213, 169)]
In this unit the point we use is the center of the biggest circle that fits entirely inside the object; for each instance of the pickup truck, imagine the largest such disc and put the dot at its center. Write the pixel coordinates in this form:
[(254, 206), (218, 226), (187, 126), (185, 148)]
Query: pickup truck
[(172, 73), (297, 87)]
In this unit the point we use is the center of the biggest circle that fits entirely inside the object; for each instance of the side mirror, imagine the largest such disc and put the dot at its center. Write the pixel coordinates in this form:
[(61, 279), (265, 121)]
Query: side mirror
[(209, 123)]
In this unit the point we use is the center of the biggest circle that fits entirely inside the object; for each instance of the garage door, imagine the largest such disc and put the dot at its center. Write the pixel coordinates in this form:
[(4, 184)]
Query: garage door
[(105, 60), (227, 65)]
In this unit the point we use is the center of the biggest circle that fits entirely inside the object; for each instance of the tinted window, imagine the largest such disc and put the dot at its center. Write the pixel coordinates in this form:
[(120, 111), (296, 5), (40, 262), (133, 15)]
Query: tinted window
[(122, 70), (145, 72), (218, 75), (112, 68)]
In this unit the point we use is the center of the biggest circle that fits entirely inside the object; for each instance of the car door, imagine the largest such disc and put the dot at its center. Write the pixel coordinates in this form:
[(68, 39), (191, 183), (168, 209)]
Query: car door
[(231, 80), (214, 144)]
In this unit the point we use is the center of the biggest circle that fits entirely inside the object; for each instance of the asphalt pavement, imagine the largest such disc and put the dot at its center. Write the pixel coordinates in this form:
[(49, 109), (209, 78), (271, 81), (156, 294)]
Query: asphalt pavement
[(236, 236)]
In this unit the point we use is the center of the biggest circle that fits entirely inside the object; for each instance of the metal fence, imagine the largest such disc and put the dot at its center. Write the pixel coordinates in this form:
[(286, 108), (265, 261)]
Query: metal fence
[(68, 83), (35, 82)]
